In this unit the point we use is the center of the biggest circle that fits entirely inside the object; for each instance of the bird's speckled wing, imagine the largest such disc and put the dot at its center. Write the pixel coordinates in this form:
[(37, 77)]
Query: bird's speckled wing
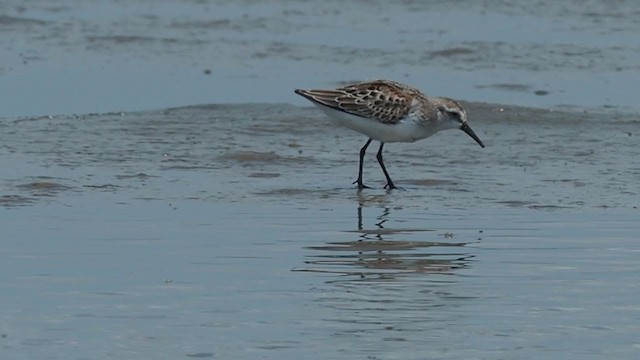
[(382, 100)]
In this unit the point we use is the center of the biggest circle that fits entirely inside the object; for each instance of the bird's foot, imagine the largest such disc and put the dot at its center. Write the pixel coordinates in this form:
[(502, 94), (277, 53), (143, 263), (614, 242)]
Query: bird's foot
[(390, 186), (360, 184)]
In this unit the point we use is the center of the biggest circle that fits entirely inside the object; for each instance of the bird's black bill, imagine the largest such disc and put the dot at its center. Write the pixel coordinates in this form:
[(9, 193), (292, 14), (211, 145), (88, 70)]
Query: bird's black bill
[(465, 127)]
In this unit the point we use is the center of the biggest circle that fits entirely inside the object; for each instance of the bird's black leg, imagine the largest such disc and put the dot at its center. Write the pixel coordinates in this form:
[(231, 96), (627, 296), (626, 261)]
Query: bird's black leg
[(390, 184), (362, 152)]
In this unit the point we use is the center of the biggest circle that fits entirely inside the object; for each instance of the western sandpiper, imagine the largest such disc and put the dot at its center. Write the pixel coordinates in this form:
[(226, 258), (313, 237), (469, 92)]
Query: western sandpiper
[(388, 111)]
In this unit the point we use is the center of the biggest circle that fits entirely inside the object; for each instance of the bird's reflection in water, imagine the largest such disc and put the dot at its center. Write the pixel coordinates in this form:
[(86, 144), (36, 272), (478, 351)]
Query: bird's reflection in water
[(384, 253)]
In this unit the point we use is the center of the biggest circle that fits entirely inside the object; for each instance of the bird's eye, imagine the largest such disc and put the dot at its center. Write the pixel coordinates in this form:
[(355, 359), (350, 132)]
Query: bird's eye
[(455, 114), (451, 113)]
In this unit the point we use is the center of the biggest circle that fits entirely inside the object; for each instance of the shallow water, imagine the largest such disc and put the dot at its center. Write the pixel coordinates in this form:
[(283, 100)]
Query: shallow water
[(100, 56), (233, 231), (224, 281)]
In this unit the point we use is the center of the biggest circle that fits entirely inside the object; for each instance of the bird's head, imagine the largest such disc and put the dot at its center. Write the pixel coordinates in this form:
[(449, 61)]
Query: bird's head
[(451, 115)]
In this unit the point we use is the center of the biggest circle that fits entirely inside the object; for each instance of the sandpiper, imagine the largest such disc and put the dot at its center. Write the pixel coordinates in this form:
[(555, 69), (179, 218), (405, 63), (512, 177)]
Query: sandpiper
[(388, 111)]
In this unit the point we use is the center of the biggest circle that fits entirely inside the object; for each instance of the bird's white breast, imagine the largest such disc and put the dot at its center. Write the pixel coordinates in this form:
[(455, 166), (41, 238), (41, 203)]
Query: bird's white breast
[(406, 130)]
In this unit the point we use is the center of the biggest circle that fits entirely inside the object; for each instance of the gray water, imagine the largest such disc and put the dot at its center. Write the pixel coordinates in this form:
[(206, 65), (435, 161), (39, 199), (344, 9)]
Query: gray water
[(78, 56), (231, 230)]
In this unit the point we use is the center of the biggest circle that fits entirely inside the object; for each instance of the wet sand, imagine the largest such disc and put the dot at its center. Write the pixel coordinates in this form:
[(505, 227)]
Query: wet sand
[(232, 230), (237, 153)]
